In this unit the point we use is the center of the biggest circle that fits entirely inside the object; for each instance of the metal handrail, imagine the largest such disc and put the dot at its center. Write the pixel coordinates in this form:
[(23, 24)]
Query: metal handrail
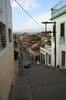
[(58, 6)]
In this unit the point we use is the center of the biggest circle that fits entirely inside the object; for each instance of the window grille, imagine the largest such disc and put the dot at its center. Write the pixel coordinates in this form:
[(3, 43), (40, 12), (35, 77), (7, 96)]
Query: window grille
[(2, 36)]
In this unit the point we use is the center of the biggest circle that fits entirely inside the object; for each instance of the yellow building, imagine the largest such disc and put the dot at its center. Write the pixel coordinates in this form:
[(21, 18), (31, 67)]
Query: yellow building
[(6, 50)]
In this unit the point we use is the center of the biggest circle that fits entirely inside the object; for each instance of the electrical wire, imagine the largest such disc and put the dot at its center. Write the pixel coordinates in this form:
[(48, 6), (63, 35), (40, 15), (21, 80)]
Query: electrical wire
[(35, 20), (28, 14)]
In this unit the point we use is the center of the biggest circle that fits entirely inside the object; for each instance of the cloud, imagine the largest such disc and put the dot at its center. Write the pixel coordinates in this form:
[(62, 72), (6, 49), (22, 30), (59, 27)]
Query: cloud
[(14, 4), (31, 26), (27, 4)]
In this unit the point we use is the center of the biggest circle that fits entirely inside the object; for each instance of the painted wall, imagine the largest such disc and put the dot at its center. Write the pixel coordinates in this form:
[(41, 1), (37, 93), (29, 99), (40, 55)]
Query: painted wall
[(3, 13), (6, 72), (6, 54), (6, 12), (44, 55), (60, 46)]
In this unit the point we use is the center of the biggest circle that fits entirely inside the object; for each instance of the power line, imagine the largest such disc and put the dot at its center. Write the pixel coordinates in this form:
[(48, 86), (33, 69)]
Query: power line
[(36, 21), (29, 14)]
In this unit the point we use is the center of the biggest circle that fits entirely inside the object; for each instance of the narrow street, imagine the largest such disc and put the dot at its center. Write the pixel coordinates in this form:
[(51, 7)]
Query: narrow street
[(39, 82), (26, 59)]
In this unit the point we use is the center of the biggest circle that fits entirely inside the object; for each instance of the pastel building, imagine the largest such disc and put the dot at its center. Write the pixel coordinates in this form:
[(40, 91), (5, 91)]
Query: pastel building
[(59, 16), (6, 50), (45, 55)]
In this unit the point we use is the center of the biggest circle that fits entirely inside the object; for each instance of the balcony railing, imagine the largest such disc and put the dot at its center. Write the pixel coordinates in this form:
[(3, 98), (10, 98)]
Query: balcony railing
[(58, 6)]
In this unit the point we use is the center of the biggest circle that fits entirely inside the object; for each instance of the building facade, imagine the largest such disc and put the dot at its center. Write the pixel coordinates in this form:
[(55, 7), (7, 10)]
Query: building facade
[(45, 55), (6, 50), (59, 16)]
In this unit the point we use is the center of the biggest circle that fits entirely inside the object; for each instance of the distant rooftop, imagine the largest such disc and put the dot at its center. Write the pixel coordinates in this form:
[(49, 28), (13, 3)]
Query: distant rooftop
[(58, 6)]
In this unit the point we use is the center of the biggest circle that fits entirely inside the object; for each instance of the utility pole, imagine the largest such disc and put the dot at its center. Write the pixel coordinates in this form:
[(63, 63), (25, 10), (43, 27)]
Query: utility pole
[(54, 34)]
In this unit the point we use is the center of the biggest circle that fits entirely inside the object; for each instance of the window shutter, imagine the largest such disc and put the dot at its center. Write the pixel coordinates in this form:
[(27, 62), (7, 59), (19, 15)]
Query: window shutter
[(54, 30)]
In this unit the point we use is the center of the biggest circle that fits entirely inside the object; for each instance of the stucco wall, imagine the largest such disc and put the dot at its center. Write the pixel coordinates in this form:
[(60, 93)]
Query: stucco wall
[(6, 14), (6, 71), (46, 53), (60, 47)]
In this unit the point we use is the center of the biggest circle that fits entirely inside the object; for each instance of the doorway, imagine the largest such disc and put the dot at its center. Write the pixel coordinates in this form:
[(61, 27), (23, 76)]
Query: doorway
[(63, 59)]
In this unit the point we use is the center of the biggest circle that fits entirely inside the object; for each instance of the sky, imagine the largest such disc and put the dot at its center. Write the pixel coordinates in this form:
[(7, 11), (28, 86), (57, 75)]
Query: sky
[(40, 10)]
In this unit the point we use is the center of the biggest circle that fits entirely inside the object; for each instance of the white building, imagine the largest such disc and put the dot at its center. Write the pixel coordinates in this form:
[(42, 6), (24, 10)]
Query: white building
[(6, 50), (45, 55), (59, 16)]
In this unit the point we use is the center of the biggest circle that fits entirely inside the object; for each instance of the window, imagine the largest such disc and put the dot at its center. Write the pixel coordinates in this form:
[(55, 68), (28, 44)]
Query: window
[(2, 35), (41, 56), (63, 58), (62, 30), (44, 58), (10, 35), (49, 59)]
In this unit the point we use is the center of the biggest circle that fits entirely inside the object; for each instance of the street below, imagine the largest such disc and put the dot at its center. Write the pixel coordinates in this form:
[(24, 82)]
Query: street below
[(39, 82)]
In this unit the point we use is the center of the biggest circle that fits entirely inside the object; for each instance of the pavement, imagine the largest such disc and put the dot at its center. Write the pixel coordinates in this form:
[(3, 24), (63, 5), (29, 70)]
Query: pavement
[(39, 82)]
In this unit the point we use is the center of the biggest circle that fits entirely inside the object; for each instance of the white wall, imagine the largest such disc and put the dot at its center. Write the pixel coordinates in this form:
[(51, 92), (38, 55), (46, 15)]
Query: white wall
[(6, 54), (60, 47), (6, 17), (6, 72), (3, 14)]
